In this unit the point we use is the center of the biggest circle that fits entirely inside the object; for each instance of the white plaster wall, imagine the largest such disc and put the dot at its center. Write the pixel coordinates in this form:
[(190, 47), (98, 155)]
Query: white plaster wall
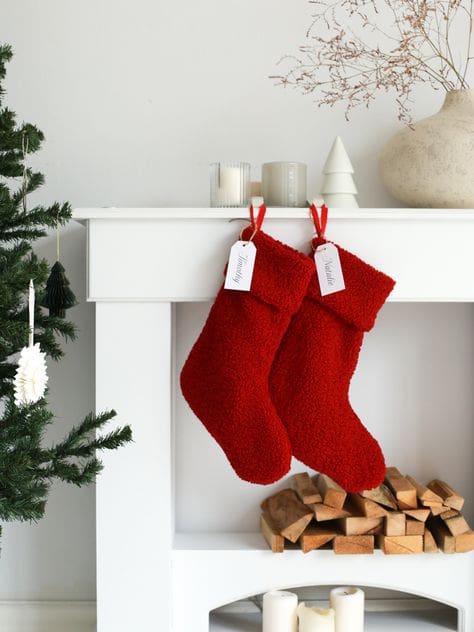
[(136, 98)]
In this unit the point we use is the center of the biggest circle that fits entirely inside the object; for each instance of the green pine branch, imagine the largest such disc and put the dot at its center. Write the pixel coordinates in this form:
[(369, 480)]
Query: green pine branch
[(28, 467)]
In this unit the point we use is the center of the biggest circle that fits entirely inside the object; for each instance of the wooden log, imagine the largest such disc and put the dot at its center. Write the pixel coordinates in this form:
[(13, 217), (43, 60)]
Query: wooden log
[(305, 488), (381, 495), (450, 497), (404, 491), (425, 494), (367, 507), (378, 530), (353, 544), (445, 541), (358, 525), (395, 524), (401, 544), (332, 493), (275, 541), (288, 514), (449, 513), (414, 527), (455, 522), (324, 512), (314, 537), (429, 543), (430, 503), (436, 511), (421, 515), (464, 542)]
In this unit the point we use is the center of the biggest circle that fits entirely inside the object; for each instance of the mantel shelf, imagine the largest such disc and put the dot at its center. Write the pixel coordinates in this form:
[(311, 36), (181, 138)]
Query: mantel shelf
[(82, 214), (178, 254)]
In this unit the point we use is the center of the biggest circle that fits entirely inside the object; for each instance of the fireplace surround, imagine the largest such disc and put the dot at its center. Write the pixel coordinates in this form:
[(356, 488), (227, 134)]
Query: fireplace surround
[(183, 526)]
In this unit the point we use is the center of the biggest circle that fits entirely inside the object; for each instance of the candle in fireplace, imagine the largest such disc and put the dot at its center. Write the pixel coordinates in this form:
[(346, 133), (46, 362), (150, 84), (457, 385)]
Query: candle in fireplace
[(279, 611), (348, 604), (315, 619)]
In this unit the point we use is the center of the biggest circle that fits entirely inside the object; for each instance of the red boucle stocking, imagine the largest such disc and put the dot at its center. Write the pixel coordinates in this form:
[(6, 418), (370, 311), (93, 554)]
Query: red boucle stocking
[(310, 378), (225, 378)]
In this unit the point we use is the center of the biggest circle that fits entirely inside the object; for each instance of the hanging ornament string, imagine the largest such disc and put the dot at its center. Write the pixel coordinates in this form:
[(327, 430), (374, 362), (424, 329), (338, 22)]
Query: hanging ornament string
[(25, 178), (256, 224), (31, 313), (320, 224), (57, 237), (31, 376)]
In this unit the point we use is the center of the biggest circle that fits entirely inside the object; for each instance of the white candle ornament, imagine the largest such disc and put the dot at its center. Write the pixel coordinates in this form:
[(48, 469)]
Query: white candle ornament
[(279, 611), (348, 604), (31, 377), (315, 619)]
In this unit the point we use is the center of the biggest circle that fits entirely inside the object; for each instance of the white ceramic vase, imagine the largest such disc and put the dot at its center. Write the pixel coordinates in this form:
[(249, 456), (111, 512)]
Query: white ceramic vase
[(432, 165)]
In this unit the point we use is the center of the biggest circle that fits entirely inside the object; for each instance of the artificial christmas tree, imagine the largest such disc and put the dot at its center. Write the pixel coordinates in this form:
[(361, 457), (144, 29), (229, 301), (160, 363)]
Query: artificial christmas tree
[(339, 189), (27, 467)]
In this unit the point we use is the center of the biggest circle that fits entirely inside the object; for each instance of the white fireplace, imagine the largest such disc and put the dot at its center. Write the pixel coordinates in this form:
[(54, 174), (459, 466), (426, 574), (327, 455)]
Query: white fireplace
[(176, 530)]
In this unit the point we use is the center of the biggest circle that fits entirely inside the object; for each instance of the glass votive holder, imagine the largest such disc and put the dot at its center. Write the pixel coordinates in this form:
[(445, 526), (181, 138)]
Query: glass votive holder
[(284, 183), (230, 184)]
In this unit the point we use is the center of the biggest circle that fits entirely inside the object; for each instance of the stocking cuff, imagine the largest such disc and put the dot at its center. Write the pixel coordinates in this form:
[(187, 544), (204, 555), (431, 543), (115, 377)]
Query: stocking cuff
[(366, 291), (281, 273)]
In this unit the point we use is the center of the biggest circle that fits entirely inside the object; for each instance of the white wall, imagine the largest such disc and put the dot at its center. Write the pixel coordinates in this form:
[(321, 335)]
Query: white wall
[(135, 99)]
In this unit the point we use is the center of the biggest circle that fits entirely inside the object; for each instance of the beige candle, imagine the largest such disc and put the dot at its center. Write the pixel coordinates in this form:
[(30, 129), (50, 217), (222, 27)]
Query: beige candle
[(315, 619), (348, 604)]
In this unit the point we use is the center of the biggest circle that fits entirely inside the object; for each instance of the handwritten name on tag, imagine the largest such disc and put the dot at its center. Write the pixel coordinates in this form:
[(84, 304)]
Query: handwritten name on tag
[(240, 266), (328, 268)]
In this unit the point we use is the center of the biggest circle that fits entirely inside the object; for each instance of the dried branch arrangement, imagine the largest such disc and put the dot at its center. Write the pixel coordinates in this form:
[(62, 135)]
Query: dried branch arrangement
[(399, 517), (348, 56)]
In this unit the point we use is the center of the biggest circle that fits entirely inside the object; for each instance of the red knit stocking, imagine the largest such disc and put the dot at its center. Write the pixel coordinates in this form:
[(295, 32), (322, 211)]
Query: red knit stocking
[(310, 378), (225, 378)]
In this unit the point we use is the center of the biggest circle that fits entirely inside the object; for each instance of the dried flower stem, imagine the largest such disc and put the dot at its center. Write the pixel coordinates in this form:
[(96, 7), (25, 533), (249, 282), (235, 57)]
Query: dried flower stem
[(346, 65)]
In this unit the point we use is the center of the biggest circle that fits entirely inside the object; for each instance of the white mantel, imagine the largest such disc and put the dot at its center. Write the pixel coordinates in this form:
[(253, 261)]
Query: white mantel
[(141, 262)]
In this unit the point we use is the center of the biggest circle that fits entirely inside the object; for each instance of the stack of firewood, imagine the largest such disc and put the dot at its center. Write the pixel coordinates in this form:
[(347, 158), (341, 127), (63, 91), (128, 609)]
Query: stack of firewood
[(400, 516)]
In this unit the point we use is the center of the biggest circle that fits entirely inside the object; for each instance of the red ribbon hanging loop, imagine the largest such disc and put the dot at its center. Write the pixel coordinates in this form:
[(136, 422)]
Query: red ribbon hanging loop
[(255, 224), (320, 224)]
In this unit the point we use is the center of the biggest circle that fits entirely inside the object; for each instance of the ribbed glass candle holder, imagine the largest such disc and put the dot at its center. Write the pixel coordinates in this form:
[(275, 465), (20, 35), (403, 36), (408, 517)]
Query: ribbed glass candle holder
[(284, 184), (230, 184)]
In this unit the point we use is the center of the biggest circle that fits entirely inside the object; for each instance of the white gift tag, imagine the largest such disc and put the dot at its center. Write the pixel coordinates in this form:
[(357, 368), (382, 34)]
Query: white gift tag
[(328, 267), (240, 266)]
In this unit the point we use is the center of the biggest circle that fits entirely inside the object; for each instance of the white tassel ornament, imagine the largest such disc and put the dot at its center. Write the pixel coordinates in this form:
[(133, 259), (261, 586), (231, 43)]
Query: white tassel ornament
[(31, 377)]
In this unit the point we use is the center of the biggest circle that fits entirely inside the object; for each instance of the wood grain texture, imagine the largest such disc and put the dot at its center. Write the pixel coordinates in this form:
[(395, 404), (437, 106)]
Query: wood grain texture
[(381, 495), (353, 544), (401, 544), (367, 507), (445, 541), (414, 527), (395, 524), (464, 543), (358, 525), (429, 543), (275, 541), (306, 490), (314, 537), (404, 491), (288, 514), (324, 512), (423, 492), (421, 515), (333, 495), (450, 497)]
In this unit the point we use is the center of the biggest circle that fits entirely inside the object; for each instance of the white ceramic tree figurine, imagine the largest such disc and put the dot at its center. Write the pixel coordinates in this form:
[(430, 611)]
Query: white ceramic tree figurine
[(339, 189)]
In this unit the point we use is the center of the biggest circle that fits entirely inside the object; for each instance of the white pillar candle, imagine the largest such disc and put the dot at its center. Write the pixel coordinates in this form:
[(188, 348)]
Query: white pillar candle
[(279, 611), (348, 604), (230, 185), (315, 619)]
